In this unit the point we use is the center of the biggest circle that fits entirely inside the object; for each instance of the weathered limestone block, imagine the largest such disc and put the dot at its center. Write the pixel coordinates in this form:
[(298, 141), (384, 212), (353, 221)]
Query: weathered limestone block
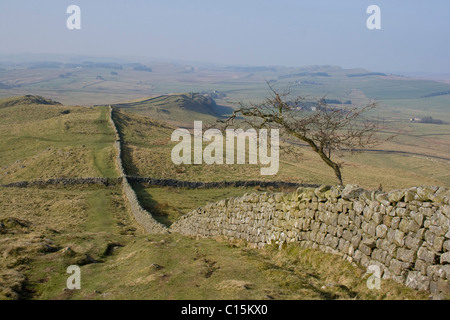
[(396, 196), (399, 238), (406, 255), (320, 237), (413, 242), (425, 193), (320, 192), (395, 222), (309, 213), (417, 281), (398, 267), (347, 235), (436, 272), (446, 210), (330, 218), (366, 246), (365, 195), (418, 218), (339, 231), (433, 241), (367, 213), (382, 197), (390, 210), (358, 206), (377, 217), (357, 256), (446, 245), (343, 246), (426, 255), (351, 192), (401, 212), (437, 230), (426, 211), (337, 207), (371, 228), (410, 195), (343, 220), (381, 231), (357, 221), (379, 255), (403, 225), (365, 227), (278, 197), (440, 286), (387, 220), (421, 266), (364, 260), (445, 258)]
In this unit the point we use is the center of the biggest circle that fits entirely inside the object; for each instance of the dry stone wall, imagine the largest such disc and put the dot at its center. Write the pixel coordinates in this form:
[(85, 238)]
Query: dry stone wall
[(142, 216), (406, 233), (63, 182), (219, 184)]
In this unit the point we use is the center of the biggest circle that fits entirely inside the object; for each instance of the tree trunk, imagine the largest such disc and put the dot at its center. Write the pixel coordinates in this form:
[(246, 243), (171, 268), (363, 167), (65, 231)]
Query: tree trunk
[(322, 154), (332, 165)]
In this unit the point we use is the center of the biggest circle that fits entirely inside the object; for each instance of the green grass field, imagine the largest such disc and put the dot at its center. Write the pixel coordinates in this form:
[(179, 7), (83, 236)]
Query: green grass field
[(49, 141)]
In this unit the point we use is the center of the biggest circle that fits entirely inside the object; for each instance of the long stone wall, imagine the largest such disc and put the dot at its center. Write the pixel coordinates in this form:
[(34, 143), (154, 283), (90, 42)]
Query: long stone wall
[(63, 182), (219, 184), (142, 216), (404, 232)]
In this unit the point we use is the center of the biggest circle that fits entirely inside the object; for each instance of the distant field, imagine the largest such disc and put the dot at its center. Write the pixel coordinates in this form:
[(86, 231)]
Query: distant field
[(400, 97)]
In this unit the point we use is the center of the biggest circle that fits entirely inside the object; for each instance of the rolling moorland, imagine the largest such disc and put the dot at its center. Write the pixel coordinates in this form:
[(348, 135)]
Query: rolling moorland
[(45, 229)]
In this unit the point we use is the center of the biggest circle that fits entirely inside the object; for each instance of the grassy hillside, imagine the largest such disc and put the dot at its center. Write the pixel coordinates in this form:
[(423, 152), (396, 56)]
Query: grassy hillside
[(40, 140), (44, 230), (147, 151), (39, 225)]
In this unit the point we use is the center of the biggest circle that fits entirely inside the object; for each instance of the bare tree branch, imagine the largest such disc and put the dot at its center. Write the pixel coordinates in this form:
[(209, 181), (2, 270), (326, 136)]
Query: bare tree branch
[(326, 130)]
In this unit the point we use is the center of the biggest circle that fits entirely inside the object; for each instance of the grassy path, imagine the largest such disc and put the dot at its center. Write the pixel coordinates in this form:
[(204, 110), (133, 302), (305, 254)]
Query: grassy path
[(102, 154), (100, 218)]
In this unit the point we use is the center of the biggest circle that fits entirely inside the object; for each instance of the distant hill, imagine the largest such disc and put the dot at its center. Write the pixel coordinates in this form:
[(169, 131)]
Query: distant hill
[(367, 74), (183, 107), (28, 99)]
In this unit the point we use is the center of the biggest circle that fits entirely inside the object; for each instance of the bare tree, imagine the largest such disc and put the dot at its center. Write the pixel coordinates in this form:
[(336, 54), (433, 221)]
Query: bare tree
[(326, 130)]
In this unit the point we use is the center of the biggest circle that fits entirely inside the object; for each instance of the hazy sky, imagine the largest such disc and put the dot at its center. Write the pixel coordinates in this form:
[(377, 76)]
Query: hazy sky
[(414, 35)]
